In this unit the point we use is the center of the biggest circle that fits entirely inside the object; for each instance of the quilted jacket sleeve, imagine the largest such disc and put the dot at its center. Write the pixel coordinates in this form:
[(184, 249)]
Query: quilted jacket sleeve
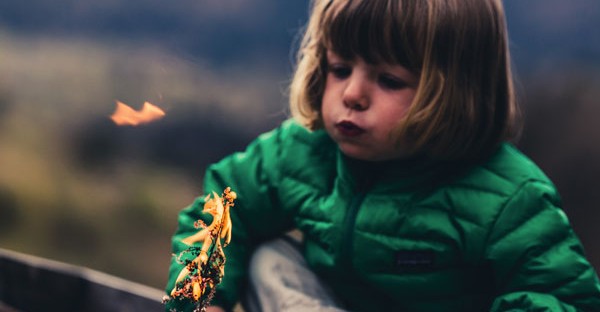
[(538, 262), (255, 216)]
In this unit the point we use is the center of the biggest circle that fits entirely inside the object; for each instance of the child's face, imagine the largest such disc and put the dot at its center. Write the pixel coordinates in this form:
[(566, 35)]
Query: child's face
[(363, 104)]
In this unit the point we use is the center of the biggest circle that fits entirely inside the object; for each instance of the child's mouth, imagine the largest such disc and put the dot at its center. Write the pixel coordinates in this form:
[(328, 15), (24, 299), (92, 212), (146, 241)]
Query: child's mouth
[(347, 128)]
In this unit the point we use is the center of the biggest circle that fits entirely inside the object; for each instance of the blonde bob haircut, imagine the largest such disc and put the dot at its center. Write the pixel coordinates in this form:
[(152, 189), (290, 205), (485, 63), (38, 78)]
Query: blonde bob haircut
[(464, 105)]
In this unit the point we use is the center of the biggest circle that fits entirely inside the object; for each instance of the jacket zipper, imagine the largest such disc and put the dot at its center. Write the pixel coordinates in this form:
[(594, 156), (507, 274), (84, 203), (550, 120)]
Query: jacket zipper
[(347, 246)]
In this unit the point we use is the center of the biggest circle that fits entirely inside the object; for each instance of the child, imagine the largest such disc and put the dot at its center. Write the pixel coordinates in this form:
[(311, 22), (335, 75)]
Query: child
[(398, 173)]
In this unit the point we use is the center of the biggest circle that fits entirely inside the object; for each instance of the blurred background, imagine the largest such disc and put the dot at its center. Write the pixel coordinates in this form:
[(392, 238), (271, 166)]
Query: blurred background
[(76, 188)]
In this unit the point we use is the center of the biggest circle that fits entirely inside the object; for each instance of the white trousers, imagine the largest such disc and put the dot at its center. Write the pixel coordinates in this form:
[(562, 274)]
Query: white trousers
[(280, 280)]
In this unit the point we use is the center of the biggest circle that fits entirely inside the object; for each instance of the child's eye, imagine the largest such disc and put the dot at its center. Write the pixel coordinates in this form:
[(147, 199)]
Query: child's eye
[(390, 82), (340, 71)]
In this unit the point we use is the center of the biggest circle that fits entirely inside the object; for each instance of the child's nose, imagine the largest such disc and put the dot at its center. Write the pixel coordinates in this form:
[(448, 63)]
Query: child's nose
[(356, 94)]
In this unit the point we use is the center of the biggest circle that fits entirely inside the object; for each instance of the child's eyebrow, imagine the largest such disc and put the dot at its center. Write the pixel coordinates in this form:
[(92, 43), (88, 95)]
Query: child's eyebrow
[(330, 56)]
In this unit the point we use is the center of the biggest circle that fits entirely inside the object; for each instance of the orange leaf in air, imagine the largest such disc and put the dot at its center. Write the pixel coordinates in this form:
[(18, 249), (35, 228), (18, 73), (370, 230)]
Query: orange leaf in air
[(127, 116)]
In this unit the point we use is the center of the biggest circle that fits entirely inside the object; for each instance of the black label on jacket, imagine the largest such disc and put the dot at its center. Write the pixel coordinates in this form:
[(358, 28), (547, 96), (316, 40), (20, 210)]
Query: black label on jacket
[(415, 259)]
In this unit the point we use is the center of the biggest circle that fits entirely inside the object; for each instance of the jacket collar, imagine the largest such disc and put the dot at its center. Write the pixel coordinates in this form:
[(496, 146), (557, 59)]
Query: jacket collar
[(414, 172)]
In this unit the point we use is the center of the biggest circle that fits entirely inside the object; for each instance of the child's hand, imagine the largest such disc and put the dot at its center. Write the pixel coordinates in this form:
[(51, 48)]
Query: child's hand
[(214, 309)]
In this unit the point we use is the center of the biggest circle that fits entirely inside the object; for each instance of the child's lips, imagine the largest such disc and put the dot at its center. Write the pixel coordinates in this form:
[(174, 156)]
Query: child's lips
[(349, 129)]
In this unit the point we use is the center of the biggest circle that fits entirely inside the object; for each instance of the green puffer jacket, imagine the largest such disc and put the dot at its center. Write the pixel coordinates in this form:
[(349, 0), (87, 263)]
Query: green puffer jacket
[(410, 235)]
